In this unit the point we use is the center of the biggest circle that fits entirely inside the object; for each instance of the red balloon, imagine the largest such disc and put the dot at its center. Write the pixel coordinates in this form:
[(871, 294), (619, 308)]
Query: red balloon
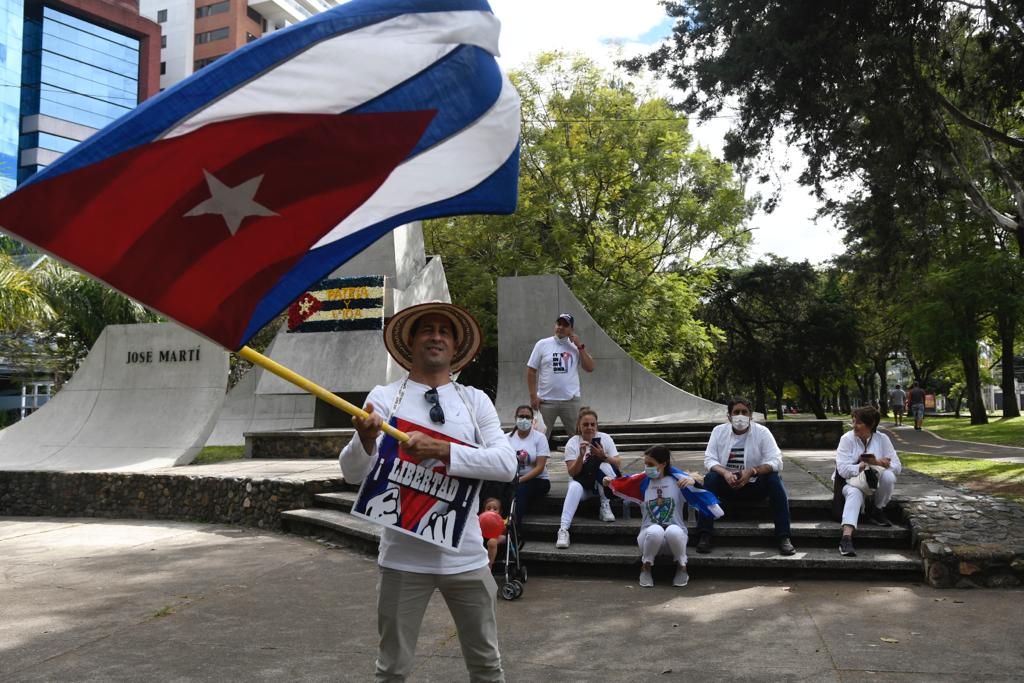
[(491, 524)]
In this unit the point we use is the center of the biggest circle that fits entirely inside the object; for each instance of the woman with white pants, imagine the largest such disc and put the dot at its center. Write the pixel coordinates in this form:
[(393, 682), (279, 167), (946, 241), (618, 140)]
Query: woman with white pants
[(590, 456), (859, 449)]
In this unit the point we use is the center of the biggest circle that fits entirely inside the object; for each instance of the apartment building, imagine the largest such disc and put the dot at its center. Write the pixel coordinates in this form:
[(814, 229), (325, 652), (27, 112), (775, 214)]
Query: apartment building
[(195, 33)]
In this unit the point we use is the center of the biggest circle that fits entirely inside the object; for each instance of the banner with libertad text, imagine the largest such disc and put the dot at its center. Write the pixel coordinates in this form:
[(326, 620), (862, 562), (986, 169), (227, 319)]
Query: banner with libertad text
[(418, 499)]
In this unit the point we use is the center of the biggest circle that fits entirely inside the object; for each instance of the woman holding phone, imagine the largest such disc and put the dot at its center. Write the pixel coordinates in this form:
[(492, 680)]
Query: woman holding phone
[(860, 450), (590, 456)]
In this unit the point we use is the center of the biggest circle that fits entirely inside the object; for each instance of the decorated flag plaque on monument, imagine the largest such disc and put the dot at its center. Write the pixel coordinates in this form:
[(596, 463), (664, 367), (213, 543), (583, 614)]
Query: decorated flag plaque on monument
[(340, 304), (418, 499)]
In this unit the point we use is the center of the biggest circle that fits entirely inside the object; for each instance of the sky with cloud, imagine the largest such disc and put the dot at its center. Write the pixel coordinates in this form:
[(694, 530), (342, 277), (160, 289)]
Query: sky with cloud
[(598, 28)]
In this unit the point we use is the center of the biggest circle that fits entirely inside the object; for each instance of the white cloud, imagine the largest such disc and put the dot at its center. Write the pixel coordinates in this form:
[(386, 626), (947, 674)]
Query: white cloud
[(530, 27)]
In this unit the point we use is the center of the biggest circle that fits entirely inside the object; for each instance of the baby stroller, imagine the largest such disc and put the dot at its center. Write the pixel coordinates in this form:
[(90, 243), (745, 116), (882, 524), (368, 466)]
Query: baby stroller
[(514, 569)]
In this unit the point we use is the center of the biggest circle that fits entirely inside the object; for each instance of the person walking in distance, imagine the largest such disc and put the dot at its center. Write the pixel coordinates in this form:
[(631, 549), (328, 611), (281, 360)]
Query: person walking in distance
[(916, 400), (898, 403)]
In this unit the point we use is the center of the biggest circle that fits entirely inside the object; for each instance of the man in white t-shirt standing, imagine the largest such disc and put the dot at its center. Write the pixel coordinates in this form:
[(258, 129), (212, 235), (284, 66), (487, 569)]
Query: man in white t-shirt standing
[(553, 375), (431, 341)]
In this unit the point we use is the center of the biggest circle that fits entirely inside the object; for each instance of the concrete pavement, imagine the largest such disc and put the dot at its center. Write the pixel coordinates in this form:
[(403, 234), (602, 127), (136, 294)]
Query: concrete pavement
[(906, 438), (100, 600)]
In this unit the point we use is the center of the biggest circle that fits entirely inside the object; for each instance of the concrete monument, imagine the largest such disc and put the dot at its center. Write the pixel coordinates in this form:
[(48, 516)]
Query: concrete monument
[(350, 362), (146, 396), (619, 389)]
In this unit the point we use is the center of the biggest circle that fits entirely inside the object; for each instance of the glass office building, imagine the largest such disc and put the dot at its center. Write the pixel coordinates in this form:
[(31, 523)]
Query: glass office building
[(76, 78), (11, 20)]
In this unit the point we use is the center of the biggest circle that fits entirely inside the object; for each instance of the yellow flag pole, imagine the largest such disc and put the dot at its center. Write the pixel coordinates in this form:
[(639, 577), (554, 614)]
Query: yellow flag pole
[(257, 358)]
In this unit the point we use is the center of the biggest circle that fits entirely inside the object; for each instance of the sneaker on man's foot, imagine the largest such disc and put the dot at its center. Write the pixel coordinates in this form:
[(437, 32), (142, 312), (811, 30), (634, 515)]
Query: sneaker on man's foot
[(704, 544), (786, 546), (877, 517), (846, 547), (606, 511), (563, 539), (682, 578), (646, 578)]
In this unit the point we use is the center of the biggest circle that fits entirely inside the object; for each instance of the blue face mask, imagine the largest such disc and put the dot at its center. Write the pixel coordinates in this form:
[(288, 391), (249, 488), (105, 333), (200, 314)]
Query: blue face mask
[(652, 472)]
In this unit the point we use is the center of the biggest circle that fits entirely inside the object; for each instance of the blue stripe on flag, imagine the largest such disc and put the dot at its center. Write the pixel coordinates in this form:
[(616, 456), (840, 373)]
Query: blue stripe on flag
[(157, 115), (493, 195), (431, 89)]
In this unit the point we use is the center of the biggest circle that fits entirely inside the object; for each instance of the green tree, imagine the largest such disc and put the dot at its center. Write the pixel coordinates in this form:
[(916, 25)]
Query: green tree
[(783, 321), (22, 301), (82, 308), (927, 90), (614, 199)]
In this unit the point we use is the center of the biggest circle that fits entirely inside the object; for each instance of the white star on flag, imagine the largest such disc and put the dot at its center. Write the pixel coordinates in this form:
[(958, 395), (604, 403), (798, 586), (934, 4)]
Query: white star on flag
[(304, 306), (234, 204)]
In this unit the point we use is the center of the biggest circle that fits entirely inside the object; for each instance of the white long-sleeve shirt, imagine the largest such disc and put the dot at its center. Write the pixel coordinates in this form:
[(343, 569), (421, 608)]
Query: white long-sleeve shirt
[(494, 460), (760, 449), (851, 448)]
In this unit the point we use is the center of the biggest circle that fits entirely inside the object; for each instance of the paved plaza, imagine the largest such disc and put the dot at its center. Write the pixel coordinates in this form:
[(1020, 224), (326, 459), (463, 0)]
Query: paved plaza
[(103, 600)]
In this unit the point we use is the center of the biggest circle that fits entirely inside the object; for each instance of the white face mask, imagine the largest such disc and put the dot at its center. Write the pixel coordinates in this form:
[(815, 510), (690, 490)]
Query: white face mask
[(740, 422), (652, 472), (523, 424)]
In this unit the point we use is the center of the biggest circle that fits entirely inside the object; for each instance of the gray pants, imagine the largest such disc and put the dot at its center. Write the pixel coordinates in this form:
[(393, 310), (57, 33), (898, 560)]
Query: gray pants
[(566, 411), (402, 599)]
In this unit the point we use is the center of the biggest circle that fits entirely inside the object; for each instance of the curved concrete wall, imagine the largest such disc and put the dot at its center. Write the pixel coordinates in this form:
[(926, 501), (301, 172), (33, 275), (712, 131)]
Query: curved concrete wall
[(619, 389), (146, 396)]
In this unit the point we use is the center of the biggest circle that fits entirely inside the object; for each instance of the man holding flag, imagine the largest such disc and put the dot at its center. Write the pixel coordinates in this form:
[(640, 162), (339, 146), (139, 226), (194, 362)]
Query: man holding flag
[(218, 202), (432, 341)]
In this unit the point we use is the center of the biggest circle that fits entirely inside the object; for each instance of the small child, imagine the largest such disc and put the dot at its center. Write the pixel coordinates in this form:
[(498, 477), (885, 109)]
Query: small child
[(493, 505)]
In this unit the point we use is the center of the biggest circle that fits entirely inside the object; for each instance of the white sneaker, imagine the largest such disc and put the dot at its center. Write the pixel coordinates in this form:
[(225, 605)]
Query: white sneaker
[(646, 578), (682, 578), (563, 539), (606, 512)]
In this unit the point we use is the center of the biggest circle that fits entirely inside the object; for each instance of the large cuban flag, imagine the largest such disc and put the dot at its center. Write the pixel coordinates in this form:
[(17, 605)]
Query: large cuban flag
[(218, 202)]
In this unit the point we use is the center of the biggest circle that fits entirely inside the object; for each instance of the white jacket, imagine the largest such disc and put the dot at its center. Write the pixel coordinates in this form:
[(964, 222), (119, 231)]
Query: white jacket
[(851, 448), (761, 448)]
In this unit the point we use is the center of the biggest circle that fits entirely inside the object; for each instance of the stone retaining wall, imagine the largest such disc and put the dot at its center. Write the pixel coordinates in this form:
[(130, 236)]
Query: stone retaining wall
[(297, 444), (806, 434), (967, 539), (231, 500)]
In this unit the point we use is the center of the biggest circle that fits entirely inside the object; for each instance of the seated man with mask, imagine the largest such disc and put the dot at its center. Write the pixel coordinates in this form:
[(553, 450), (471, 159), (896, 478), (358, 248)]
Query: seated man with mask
[(743, 462)]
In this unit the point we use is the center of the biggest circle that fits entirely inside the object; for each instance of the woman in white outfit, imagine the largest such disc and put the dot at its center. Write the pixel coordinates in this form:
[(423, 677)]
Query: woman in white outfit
[(861, 449), (590, 456)]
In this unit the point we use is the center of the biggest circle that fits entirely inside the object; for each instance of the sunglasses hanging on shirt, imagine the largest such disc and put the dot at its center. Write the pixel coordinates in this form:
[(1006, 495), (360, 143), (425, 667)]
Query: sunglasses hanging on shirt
[(436, 413)]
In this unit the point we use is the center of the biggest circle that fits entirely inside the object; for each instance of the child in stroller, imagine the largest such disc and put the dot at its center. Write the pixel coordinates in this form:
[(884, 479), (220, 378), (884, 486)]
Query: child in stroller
[(501, 496)]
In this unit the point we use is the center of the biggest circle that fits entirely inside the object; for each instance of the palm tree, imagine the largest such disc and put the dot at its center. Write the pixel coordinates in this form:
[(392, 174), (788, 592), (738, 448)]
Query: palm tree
[(23, 304)]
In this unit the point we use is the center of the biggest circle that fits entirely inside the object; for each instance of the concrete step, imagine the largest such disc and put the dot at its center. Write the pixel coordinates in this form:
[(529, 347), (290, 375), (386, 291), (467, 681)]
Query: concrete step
[(685, 441), (611, 558), (811, 509), (823, 559), (615, 428), (541, 528)]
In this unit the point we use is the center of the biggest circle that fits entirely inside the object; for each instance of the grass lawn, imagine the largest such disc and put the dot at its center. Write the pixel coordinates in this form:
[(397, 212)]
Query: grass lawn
[(212, 454), (997, 478), (999, 430)]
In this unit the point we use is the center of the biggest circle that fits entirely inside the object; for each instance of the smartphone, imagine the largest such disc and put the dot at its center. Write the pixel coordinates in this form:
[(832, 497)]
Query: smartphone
[(596, 441)]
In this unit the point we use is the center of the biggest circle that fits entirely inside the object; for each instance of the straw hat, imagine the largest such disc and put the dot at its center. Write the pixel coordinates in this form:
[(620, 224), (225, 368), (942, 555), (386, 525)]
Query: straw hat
[(398, 333)]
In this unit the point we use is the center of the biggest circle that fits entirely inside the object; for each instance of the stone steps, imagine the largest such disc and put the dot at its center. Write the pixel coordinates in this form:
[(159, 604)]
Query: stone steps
[(623, 560), (541, 529), (744, 542)]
